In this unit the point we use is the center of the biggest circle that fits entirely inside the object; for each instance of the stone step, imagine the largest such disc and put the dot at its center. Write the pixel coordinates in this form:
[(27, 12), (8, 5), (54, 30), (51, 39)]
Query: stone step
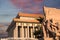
[(48, 38)]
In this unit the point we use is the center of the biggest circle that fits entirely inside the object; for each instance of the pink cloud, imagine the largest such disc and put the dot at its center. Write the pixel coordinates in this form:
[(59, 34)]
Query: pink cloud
[(28, 4)]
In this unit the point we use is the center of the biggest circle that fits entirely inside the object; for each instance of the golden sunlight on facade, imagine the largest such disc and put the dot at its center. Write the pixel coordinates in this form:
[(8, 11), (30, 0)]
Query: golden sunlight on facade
[(52, 13), (23, 26), (53, 17)]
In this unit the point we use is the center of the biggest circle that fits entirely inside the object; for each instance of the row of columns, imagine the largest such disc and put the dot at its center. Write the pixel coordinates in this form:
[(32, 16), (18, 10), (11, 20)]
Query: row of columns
[(16, 31)]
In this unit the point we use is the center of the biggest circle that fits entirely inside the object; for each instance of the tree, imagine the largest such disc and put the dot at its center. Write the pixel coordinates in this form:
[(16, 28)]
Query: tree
[(39, 33), (40, 20)]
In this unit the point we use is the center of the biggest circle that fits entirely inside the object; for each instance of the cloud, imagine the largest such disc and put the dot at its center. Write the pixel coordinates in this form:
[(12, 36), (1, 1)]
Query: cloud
[(28, 4), (10, 8)]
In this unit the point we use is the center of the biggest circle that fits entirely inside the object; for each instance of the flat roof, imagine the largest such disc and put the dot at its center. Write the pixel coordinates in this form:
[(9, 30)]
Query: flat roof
[(30, 14), (21, 20)]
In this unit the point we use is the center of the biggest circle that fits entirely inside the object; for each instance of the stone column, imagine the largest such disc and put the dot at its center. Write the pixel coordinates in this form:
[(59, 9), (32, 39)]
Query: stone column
[(33, 31), (16, 31), (28, 30), (22, 31)]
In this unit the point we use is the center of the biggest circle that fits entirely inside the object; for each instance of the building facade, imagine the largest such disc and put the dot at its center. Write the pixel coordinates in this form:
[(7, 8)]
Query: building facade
[(53, 18), (23, 25), (52, 13)]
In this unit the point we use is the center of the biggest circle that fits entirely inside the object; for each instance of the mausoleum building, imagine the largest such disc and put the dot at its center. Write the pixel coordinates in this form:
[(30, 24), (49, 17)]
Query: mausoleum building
[(23, 25)]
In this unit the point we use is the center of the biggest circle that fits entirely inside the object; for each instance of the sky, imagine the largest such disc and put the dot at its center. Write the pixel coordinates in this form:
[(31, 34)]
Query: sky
[(52, 3), (10, 8)]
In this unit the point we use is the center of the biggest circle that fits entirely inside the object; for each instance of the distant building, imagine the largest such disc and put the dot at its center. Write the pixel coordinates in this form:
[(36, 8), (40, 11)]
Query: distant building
[(23, 25), (3, 33)]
